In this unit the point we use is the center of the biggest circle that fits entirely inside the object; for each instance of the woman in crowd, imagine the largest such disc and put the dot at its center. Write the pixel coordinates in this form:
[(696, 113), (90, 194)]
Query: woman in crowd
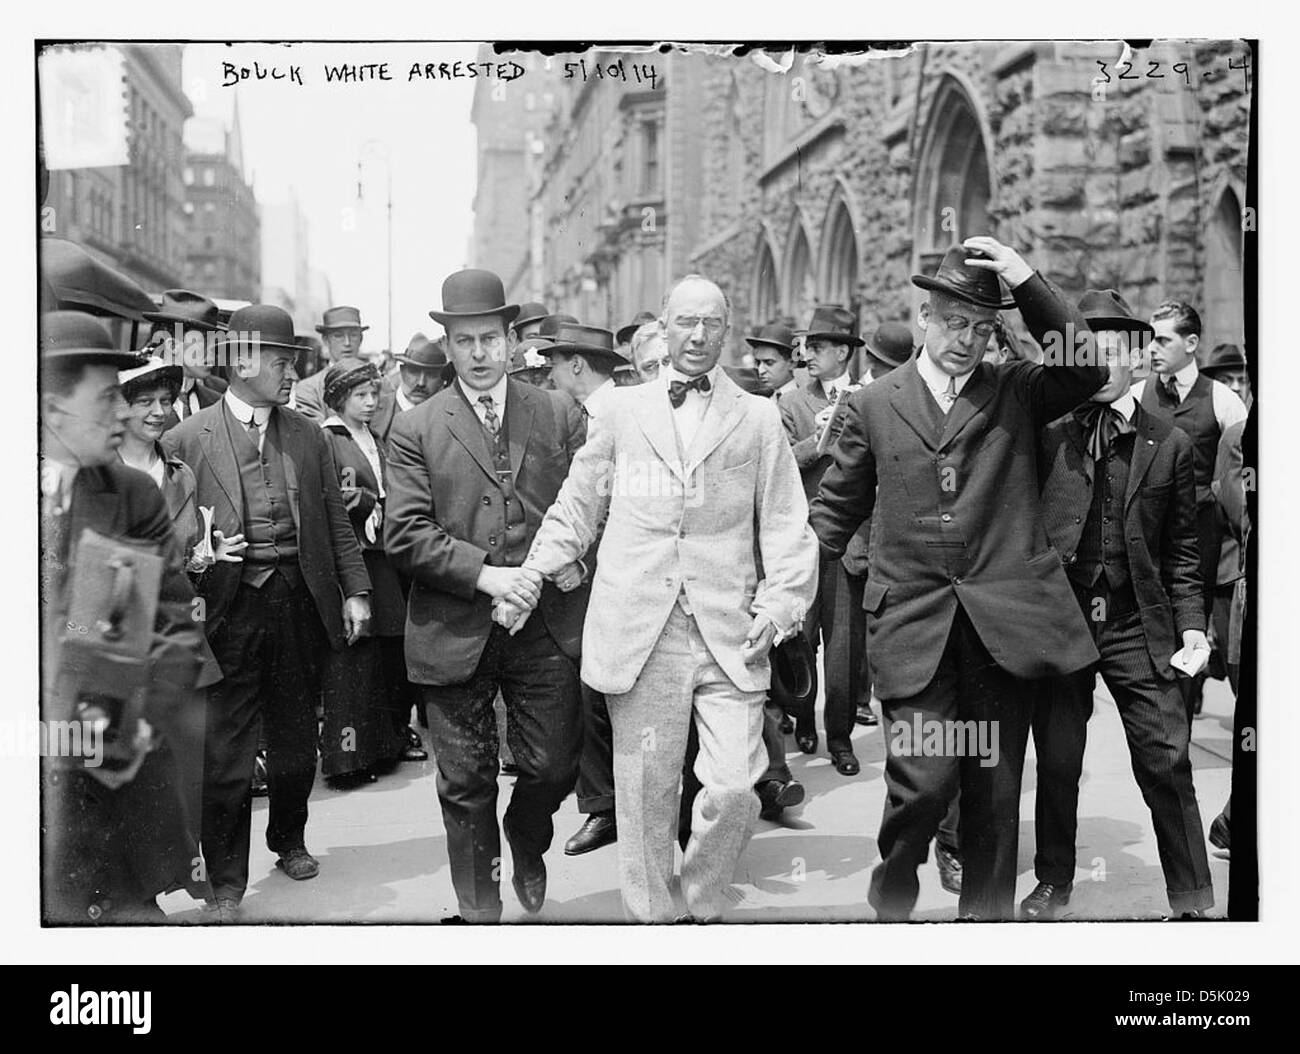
[(367, 696)]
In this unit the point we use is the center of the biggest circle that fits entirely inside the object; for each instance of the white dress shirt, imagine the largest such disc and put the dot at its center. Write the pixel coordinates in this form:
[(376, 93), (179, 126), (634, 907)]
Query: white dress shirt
[(937, 381), (498, 393), (1227, 404), (243, 412), (690, 415), (787, 388), (835, 389), (403, 403)]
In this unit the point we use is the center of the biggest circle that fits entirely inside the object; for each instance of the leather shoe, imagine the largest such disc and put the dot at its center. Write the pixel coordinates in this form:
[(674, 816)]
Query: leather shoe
[(777, 795), (1219, 833), (806, 740), (223, 911), (509, 768), (864, 715), (1195, 915), (298, 864), (846, 762), (1041, 904), (529, 881), (599, 829), (949, 864)]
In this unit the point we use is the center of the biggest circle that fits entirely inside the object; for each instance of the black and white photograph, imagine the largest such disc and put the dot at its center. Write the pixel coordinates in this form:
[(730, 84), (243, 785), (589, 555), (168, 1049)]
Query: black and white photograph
[(552, 483)]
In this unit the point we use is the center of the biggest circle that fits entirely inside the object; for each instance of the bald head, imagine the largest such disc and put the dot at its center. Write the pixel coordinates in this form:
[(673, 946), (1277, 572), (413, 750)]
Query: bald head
[(694, 321)]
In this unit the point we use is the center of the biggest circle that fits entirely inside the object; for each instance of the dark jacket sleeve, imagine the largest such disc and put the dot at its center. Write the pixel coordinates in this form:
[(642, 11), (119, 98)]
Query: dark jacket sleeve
[(1069, 373), (1229, 481), (1180, 566), (348, 563), (848, 489), (414, 540)]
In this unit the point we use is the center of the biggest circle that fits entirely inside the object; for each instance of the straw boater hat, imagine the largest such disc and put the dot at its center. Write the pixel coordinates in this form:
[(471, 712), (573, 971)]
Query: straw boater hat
[(152, 371)]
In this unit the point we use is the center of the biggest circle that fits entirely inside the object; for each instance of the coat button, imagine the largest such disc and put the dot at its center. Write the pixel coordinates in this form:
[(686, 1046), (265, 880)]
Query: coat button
[(946, 517), (492, 541), (487, 500), (956, 580), (1078, 520), (681, 533), (1071, 558)]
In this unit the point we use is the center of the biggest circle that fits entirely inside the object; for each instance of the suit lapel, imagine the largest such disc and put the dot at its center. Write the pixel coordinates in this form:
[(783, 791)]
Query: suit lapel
[(913, 402), (974, 395), (219, 451), (1144, 452), (292, 444), (1074, 430), (655, 418), (519, 422), (464, 425), (720, 418)]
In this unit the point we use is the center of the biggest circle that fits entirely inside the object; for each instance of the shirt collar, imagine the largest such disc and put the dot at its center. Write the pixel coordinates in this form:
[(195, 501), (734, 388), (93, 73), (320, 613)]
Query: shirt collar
[(1186, 377), (242, 411), (497, 391), (597, 398), (840, 384), (789, 386), (935, 379), (403, 400), (187, 384)]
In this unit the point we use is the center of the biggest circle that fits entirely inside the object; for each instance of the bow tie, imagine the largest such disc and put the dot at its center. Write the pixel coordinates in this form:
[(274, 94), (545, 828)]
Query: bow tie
[(1102, 423), (677, 389)]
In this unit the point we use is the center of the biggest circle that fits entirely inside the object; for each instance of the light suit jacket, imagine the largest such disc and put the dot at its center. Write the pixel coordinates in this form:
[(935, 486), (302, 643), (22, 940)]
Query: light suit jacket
[(668, 528)]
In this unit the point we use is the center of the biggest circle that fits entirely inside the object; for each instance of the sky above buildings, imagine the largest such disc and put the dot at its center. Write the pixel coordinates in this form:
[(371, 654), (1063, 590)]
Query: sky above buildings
[(303, 131)]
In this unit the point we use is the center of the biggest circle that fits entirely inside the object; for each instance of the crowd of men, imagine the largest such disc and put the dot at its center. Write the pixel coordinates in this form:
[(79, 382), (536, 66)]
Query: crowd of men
[(603, 562)]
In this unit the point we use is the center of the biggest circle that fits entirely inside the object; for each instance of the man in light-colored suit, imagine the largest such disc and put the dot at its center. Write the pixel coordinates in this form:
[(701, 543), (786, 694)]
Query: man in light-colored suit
[(706, 560)]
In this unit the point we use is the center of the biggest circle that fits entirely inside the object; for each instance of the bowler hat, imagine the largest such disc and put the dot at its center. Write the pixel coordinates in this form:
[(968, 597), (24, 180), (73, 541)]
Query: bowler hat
[(833, 322), (571, 338), (262, 326), (191, 310), (341, 318), (1224, 357), (421, 351), (775, 335), (959, 280), (794, 665), (474, 292), (529, 312), (1106, 309), (77, 335), (892, 343), (624, 334)]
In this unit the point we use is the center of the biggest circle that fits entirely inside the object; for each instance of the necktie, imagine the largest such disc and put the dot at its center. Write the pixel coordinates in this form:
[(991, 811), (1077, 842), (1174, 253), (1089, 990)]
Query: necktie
[(950, 394), (490, 420), (1101, 424), (1170, 386), (677, 389), (254, 433)]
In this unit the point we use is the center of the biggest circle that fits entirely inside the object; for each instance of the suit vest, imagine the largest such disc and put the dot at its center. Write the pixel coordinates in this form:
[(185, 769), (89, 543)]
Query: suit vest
[(507, 547), (1195, 416), (268, 520), (1101, 545)]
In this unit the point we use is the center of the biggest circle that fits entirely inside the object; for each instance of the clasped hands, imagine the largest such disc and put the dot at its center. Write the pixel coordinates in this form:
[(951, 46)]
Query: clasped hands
[(515, 591)]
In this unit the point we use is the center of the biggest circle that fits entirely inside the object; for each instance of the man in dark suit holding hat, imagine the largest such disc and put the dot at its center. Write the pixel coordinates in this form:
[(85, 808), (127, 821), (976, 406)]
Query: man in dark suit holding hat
[(116, 831), (342, 333), (267, 473), (472, 472), (1120, 507), (419, 375), (184, 333), (837, 617), (967, 602), (1203, 408)]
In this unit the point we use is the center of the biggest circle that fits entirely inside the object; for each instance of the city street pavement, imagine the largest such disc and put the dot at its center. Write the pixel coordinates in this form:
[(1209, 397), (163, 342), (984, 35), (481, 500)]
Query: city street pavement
[(383, 853)]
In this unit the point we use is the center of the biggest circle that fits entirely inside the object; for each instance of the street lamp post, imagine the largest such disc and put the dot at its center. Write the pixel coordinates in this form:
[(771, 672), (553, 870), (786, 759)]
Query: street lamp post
[(379, 149)]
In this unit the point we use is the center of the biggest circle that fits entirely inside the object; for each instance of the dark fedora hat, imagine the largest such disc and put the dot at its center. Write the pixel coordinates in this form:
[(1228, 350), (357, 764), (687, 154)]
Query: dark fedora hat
[(77, 335), (1224, 357), (794, 665), (892, 343), (572, 338), (775, 335), (421, 351), (474, 292), (529, 312), (551, 325), (340, 318), (1106, 309), (262, 326), (833, 322), (191, 310), (624, 334), (958, 279)]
